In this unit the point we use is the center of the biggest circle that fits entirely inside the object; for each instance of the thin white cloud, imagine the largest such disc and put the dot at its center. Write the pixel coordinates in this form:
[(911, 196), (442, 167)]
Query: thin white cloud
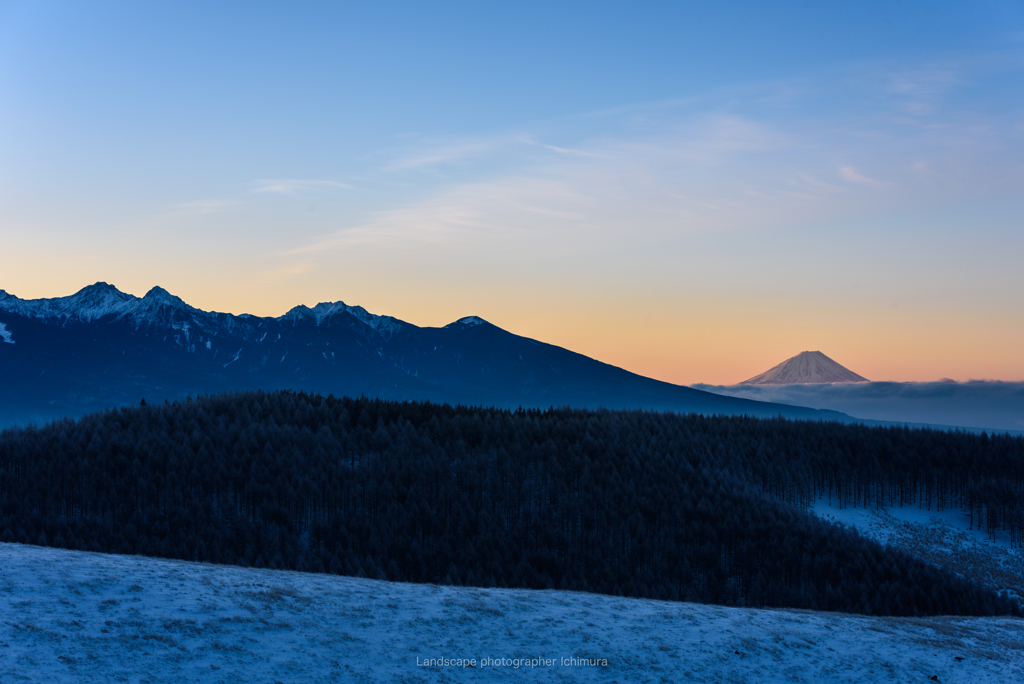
[(449, 152), (850, 174), (187, 211), (283, 273), (682, 172), (814, 182), (569, 151), (495, 212), (293, 186), (928, 81)]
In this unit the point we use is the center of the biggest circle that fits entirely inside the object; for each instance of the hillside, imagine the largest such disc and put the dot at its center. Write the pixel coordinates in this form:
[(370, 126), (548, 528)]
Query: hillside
[(72, 616), (624, 503)]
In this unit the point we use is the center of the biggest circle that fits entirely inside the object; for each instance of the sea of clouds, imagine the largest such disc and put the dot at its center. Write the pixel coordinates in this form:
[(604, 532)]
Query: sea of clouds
[(973, 404)]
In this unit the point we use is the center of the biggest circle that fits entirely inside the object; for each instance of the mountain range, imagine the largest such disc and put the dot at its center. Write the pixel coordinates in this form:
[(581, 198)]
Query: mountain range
[(102, 348)]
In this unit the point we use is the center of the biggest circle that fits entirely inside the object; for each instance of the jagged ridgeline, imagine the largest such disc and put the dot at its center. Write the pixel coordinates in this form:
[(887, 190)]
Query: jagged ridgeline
[(629, 503)]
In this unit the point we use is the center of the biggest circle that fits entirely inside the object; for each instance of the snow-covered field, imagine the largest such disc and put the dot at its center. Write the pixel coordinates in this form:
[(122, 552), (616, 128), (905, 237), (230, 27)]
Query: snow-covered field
[(69, 616), (941, 537)]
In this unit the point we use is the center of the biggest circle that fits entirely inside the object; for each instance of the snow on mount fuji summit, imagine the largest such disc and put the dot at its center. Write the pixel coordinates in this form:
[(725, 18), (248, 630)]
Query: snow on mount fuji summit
[(806, 368)]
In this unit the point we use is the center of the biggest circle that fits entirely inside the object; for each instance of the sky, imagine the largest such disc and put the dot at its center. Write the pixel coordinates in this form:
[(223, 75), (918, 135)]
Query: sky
[(691, 192)]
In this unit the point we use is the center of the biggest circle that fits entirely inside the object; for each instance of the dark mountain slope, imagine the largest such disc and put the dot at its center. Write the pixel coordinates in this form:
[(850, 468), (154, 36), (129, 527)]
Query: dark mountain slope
[(102, 347)]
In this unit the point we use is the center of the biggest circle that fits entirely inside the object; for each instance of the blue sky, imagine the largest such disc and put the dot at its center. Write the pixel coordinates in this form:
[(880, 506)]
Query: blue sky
[(690, 191)]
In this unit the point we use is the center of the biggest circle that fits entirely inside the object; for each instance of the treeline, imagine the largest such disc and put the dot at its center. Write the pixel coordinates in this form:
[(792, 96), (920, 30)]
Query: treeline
[(626, 503)]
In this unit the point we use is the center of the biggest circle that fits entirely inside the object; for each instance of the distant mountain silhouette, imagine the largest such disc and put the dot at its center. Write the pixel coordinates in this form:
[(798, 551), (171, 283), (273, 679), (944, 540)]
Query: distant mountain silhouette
[(806, 368), (103, 348)]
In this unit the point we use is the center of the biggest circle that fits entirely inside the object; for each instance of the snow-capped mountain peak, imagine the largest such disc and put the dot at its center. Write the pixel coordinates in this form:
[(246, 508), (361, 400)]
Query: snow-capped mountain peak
[(98, 300), (88, 304), (298, 313), (325, 310), (809, 367), (158, 297), (467, 322), (386, 326)]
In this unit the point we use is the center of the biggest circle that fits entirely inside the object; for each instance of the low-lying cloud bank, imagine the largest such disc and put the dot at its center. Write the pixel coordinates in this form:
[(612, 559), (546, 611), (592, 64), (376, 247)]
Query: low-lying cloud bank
[(990, 405)]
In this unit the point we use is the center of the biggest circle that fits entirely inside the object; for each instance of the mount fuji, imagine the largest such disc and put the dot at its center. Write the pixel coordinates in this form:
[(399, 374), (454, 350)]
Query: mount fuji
[(809, 367), (101, 347)]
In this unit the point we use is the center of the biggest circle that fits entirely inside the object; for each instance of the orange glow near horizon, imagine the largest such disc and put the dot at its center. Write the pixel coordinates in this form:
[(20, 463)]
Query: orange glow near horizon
[(675, 339)]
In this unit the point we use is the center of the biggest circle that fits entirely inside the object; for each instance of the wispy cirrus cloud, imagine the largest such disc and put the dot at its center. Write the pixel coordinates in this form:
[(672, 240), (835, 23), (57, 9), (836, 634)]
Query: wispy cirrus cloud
[(293, 186), (819, 184), (850, 174), (202, 207), (282, 273), (769, 155), (189, 211), (496, 212), (930, 81), (436, 153)]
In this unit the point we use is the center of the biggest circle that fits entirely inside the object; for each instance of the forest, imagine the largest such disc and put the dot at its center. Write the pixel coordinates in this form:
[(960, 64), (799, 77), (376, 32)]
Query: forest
[(632, 503)]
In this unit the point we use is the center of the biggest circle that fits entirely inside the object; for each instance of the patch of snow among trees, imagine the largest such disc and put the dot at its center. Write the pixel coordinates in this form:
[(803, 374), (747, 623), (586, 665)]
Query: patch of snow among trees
[(948, 538), (5, 334), (72, 616)]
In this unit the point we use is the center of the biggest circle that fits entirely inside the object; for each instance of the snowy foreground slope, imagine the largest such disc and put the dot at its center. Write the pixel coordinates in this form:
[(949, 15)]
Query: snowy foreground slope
[(79, 617)]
